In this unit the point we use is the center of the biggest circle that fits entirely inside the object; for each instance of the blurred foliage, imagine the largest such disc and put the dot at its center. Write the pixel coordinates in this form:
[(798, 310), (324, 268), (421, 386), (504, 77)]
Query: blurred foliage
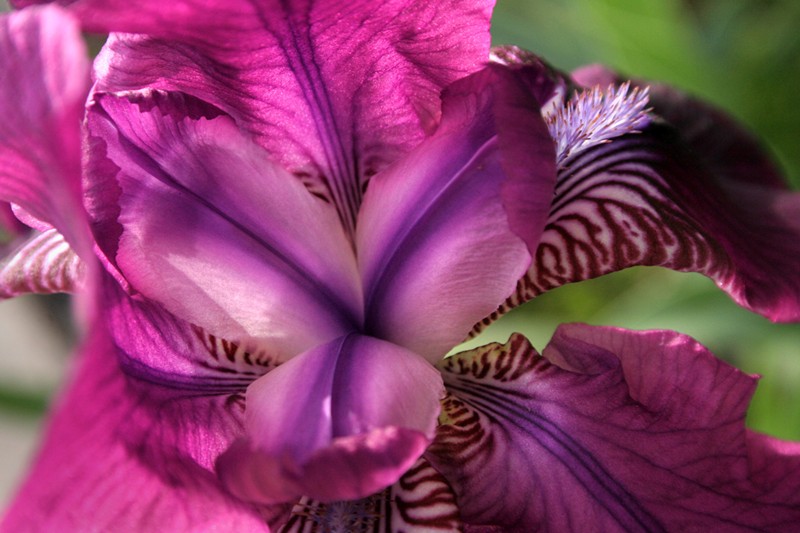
[(743, 55)]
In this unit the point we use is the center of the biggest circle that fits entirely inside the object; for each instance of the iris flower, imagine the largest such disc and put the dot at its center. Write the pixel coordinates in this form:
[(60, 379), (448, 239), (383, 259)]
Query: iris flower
[(280, 216)]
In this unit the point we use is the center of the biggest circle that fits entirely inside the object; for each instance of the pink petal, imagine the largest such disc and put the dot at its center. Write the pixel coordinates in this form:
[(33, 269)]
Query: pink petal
[(695, 195), (617, 429), (334, 91), (218, 234), (122, 454), (43, 264), (45, 79), (157, 347), (341, 421), (439, 233)]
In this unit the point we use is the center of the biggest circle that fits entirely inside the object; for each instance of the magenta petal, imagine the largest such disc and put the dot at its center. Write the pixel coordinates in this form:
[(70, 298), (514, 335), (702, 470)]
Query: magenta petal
[(340, 421), (218, 234), (275, 75), (45, 80), (125, 455), (623, 430), (442, 235)]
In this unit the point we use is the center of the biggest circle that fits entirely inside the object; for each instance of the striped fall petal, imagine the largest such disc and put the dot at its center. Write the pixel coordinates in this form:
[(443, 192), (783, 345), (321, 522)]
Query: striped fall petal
[(43, 264), (626, 431), (664, 181), (421, 500)]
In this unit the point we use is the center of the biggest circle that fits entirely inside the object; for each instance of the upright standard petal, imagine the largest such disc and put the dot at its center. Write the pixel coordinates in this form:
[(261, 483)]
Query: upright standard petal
[(274, 75), (219, 235), (126, 455), (627, 430), (694, 194), (44, 80), (444, 234), (368, 410)]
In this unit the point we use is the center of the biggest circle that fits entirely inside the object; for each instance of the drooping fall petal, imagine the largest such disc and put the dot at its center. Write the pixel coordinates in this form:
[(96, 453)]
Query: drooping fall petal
[(44, 263), (622, 430), (218, 234), (390, 60), (342, 421), (122, 454), (44, 80), (694, 194), (420, 501), (444, 235)]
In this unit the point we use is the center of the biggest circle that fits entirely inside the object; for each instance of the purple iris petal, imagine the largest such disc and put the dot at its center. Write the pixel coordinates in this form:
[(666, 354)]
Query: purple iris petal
[(338, 422), (421, 500), (436, 242), (300, 204), (627, 430), (219, 235)]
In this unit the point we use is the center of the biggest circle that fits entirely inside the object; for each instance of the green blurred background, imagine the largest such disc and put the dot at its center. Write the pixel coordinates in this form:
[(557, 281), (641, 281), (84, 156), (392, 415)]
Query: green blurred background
[(744, 55)]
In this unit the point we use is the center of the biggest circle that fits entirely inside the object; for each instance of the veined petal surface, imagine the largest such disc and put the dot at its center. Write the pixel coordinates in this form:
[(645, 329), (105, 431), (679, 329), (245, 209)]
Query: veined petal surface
[(125, 455), (341, 421), (218, 234), (43, 264), (389, 61), (623, 430), (421, 500), (693, 194), (155, 346), (444, 234), (44, 80)]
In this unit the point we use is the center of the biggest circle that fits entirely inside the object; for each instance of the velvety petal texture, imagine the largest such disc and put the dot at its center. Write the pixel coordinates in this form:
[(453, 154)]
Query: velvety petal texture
[(623, 430), (125, 455), (695, 194), (44, 80), (389, 61), (444, 234), (342, 421), (218, 234)]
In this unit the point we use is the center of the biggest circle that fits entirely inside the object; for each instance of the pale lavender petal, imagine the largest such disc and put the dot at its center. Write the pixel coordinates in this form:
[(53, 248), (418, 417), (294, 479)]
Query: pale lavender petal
[(444, 235), (43, 264), (420, 501), (695, 194), (44, 80), (390, 61), (341, 421), (218, 234), (623, 430), (122, 454), (157, 347)]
